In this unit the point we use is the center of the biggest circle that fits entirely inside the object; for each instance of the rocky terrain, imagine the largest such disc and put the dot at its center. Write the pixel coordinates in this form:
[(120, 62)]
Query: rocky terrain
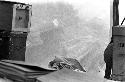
[(63, 29), (59, 29)]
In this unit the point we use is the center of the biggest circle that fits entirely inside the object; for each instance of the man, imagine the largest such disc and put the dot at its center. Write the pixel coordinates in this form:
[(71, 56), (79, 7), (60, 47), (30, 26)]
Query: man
[(108, 55)]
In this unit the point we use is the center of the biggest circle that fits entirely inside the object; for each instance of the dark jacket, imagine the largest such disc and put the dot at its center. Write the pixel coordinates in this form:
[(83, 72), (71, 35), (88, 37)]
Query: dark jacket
[(108, 53)]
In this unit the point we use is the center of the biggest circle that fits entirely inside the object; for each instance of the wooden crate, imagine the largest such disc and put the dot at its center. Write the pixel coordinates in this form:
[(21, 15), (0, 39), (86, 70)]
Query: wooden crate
[(14, 16), (13, 46), (119, 53)]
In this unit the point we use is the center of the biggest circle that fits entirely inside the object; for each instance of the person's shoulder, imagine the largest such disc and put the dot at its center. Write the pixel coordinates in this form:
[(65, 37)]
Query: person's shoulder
[(110, 45)]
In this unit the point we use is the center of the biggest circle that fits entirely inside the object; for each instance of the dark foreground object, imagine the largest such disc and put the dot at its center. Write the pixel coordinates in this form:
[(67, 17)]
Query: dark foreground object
[(108, 54), (21, 72), (12, 45)]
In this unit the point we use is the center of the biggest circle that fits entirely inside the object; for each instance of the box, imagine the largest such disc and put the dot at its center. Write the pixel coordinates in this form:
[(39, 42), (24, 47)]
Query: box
[(118, 53), (15, 16), (13, 46)]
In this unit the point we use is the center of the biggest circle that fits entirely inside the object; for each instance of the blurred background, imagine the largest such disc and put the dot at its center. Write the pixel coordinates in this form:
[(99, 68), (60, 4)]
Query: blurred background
[(77, 29)]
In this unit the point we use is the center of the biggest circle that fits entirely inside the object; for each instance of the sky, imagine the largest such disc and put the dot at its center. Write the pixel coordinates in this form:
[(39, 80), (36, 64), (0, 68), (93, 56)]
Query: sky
[(84, 6), (41, 1), (80, 3), (121, 10)]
